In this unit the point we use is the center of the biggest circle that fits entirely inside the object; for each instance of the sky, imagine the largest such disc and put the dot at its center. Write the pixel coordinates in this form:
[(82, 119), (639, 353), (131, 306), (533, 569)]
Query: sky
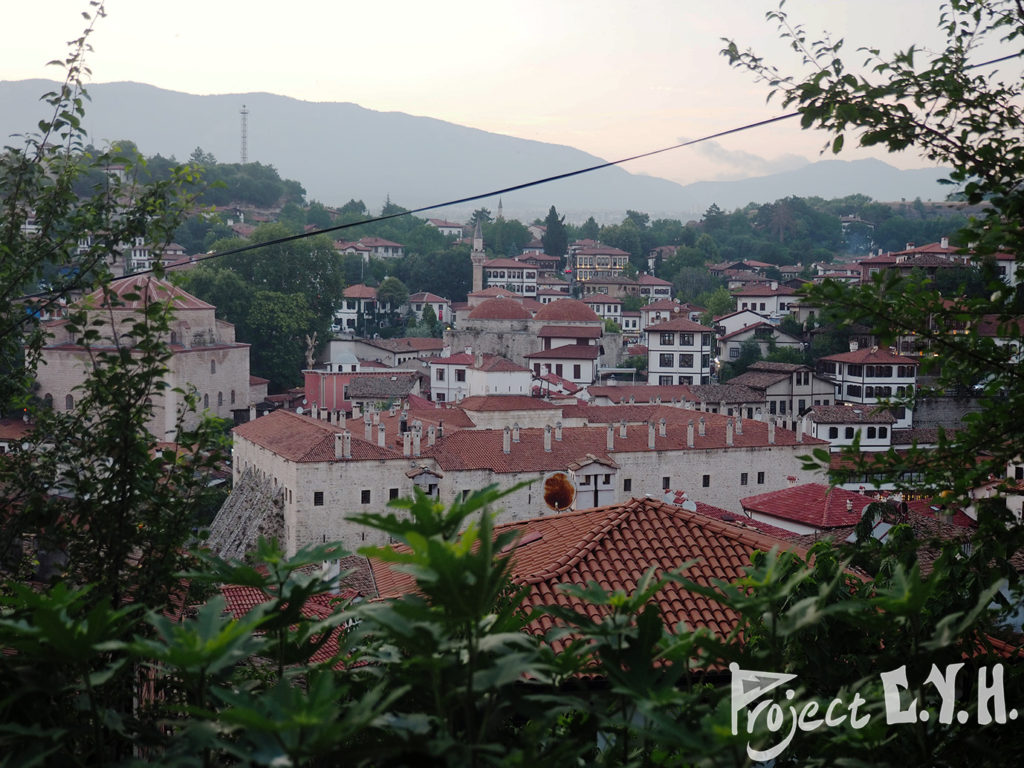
[(614, 78)]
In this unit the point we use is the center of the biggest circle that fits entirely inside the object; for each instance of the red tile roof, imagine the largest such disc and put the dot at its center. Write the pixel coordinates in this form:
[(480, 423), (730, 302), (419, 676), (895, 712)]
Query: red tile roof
[(149, 290), (507, 264), (871, 355), (765, 290), (500, 309), (360, 291), (567, 310), (845, 414), (614, 546), (305, 439), (504, 403), (812, 504), (641, 393)]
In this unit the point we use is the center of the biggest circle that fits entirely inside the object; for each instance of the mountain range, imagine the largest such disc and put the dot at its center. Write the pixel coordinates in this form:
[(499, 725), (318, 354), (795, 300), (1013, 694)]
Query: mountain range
[(339, 151)]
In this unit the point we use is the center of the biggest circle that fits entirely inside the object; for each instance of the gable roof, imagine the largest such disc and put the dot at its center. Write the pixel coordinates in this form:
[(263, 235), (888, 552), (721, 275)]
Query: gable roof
[(871, 355), (614, 546), (812, 504), (149, 289), (305, 439), (677, 324)]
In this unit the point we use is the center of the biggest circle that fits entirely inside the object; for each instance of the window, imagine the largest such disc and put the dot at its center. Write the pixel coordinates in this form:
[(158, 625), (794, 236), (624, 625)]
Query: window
[(220, 399), (460, 374), (206, 400), (705, 481), (734, 353), (801, 406), (782, 407), (854, 370), (772, 407), (665, 359), (232, 397), (743, 478), (364, 497), (668, 339), (439, 397), (440, 374), (627, 484), (392, 493), (213, 366), (558, 369), (666, 483), (760, 478), (872, 433), (883, 432), (833, 433), (69, 403), (849, 433), (607, 479), (318, 498), (685, 339), (686, 361), (576, 372), (705, 339), (853, 390), (665, 380), (705, 361)]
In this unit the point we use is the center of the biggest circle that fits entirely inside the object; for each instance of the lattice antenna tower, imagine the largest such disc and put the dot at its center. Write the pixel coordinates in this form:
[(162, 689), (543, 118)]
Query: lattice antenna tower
[(245, 134)]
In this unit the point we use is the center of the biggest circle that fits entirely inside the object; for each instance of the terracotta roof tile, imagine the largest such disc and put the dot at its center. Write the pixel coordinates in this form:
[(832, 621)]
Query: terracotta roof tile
[(305, 439), (504, 403), (811, 504), (614, 546), (641, 393), (871, 355), (570, 332), (678, 324), (567, 352), (500, 309), (567, 310)]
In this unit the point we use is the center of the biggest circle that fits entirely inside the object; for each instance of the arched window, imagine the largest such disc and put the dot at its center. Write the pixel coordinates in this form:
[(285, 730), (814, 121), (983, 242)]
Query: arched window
[(213, 366), (48, 400), (220, 399), (69, 403), (174, 337), (206, 401), (232, 397)]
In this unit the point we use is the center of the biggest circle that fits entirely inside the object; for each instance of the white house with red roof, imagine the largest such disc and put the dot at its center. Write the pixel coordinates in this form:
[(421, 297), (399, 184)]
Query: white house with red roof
[(447, 228), (596, 261), (807, 508), (842, 425), (605, 307), (442, 307), (679, 352), (667, 309), (358, 307), (383, 249), (512, 275), (771, 299), (766, 335), (653, 288), (870, 376), (465, 374)]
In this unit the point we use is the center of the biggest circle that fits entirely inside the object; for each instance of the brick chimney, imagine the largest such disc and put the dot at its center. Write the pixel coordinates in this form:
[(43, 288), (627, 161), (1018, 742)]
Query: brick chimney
[(547, 438), (506, 440)]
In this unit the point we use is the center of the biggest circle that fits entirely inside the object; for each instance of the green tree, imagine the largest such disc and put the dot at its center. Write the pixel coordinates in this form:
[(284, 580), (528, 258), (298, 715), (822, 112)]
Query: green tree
[(962, 116), (555, 239), (590, 229), (281, 321), (391, 295)]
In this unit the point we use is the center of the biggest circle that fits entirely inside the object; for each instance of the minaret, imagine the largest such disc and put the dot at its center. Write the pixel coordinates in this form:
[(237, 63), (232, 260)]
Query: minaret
[(478, 257), (499, 210)]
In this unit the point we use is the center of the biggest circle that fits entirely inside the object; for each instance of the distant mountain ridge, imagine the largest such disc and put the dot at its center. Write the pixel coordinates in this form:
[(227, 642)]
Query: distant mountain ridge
[(339, 151)]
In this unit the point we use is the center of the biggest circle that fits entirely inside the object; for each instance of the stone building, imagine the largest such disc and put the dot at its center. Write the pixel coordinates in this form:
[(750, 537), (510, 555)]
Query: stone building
[(204, 353)]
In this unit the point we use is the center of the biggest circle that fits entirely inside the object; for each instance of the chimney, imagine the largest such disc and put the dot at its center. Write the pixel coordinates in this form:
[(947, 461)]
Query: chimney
[(790, 481), (721, 407), (440, 429), (657, 399), (547, 438), (689, 434), (849, 505), (800, 431), (417, 438), (702, 427), (431, 435), (367, 428), (407, 444), (403, 423), (650, 435), (348, 444), (610, 443), (775, 285), (558, 431), (703, 406), (515, 432), (381, 436), (661, 427), (771, 432), (739, 420), (728, 432), (944, 242), (506, 440), (632, 400), (622, 428), (391, 411), (339, 418), (252, 413), (339, 445), (854, 346), (478, 361), (376, 417), (315, 413)]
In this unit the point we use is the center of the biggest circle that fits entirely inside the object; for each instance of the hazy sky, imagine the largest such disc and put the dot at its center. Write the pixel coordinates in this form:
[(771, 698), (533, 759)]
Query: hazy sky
[(614, 78)]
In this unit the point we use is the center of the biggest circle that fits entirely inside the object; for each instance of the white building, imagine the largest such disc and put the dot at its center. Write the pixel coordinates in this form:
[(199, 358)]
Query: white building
[(679, 352), (842, 425), (870, 376), (512, 275)]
